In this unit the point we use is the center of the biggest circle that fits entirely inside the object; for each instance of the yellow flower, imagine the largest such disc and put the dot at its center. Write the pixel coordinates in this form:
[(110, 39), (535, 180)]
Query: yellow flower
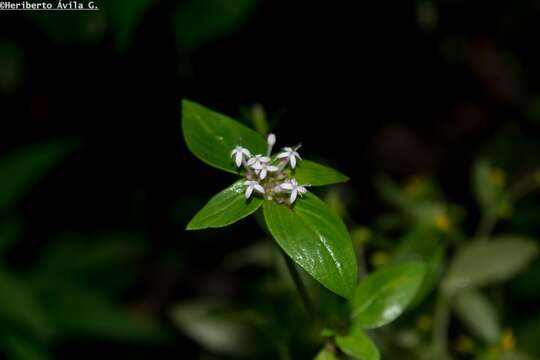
[(497, 177), (380, 258), (442, 222), (507, 341)]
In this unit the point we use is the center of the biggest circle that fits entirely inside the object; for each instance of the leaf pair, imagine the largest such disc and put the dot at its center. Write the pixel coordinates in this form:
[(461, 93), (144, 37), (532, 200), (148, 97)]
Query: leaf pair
[(309, 232), (377, 301)]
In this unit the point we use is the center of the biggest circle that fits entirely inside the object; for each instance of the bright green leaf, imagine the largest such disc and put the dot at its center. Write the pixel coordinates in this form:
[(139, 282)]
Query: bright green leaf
[(20, 169), (212, 136), (225, 208), (483, 263), (312, 173), (325, 355), (358, 345), (317, 240), (478, 314), (385, 294)]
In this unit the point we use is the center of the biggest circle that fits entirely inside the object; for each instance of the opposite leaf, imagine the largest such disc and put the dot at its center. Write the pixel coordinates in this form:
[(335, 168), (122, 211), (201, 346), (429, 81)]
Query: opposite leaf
[(225, 208), (385, 294), (358, 345), (317, 240), (212, 136), (483, 263), (309, 172)]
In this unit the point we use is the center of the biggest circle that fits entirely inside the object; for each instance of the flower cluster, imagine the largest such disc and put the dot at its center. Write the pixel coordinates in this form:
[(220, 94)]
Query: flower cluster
[(270, 176)]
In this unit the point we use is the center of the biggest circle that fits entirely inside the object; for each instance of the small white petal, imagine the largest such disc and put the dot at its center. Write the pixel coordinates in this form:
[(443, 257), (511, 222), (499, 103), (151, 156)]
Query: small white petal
[(259, 188), (271, 139), (257, 166), (297, 155), (238, 159), (302, 189), (282, 155), (292, 160), (293, 196), (272, 168), (249, 190), (246, 152), (264, 159), (251, 161), (287, 186), (262, 174)]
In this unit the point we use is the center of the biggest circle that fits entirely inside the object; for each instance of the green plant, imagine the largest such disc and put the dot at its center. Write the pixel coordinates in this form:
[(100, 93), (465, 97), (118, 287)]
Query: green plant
[(308, 231)]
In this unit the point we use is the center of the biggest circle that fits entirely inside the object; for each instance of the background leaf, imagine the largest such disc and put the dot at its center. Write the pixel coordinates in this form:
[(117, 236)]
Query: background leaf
[(385, 294), (125, 15), (312, 173), (211, 136), (358, 345), (325, 355), (220, 18), (483, 263), (20, 169), (17, 347), (317, 240), (488, 185), (478, 314), (225, 208), (207, 324)]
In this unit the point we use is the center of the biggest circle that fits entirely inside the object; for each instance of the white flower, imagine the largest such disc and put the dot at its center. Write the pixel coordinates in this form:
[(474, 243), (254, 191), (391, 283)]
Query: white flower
[(253, 185), (239, 153), (257, 161), (290, 155), (265, 169), (271, 140), (295, 189)]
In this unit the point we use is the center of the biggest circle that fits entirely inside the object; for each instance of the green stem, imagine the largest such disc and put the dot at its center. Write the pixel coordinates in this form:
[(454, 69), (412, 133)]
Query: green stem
[(440, 327), (291, 266)]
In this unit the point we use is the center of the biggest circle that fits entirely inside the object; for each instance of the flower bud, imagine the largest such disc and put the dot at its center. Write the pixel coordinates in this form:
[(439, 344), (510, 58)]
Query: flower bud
[(271, 139)]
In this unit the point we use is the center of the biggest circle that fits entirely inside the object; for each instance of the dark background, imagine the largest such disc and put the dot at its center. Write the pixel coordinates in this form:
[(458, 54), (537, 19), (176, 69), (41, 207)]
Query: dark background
[(401, 88)]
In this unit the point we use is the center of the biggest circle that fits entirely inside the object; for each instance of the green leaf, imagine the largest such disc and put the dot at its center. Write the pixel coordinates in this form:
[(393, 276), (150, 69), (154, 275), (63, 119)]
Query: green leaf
[(220, 18), (385, 294), (423, 244), (478, 314), (325, 355), (22, 168), (358, 345), (225, 208), (125, 15), (19, 307), (312, 173), (483, 263), (212, 136), (207, 324), (317, 240)]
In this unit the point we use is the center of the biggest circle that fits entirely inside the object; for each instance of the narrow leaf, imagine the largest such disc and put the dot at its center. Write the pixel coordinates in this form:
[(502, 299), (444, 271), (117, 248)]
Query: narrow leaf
[(309, 172), (212, 136), (385, 294), (317, 240), (225, 208), (358, 345), (484, 263), (478, 314)]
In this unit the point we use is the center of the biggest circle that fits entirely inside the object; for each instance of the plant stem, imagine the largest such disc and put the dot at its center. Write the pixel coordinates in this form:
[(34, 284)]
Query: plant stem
[(440, 327), (299, 284)]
